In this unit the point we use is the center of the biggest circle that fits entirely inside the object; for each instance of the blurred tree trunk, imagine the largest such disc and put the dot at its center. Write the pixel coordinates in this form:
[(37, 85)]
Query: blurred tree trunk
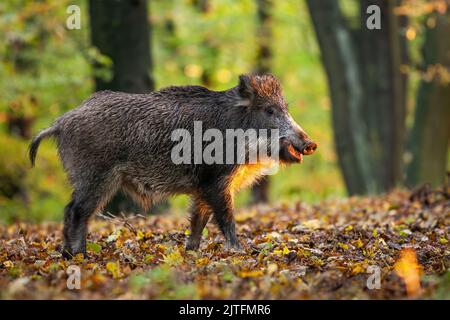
[(20, 126), (169, 39), (382, 52), (260, 191), (367, 92), (430, 134), (208, 45), (121, 31)]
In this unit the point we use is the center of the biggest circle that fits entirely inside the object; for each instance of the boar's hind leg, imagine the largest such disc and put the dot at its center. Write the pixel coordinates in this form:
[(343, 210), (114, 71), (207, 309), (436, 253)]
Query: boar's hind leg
[(200, 213), (76, 215), (221, 204)]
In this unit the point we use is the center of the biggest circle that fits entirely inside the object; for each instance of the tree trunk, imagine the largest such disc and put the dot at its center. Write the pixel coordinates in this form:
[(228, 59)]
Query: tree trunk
[(208, 45), (121, 31), (169, 38), (260, 191), (430, 134), (367, 94), (347, 94), (384, 103)]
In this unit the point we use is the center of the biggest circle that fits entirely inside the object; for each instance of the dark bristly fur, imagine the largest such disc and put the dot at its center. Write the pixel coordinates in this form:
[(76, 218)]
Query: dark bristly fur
[(117, 140)]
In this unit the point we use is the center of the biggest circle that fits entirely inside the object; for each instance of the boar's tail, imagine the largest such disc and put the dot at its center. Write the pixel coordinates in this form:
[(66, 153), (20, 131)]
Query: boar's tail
[(34, 145)]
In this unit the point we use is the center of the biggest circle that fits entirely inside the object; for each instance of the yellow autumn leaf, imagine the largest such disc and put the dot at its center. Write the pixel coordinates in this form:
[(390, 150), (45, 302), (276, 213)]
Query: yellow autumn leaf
[(92, 266), (119, 243), (98, 279), (202, 261), (375, 232), (173, 259), (161, 248), (114, 269), (251, 274), (140, 235), (148, 234), (408, 268), (78, 258), (357, 269), (358, 243), (304, 252), (148, 258)]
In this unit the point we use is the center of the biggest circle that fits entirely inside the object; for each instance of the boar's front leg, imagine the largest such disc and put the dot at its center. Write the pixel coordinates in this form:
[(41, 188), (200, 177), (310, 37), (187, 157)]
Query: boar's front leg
[(200, 213), (221, 204)]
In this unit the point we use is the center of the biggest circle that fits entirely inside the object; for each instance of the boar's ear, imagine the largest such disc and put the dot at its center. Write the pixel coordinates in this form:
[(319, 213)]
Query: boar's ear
[(245, 89)]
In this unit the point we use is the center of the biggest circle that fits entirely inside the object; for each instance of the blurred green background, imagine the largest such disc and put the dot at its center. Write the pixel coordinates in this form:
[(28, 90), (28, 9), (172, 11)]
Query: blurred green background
[(45, 70), (60, 77)]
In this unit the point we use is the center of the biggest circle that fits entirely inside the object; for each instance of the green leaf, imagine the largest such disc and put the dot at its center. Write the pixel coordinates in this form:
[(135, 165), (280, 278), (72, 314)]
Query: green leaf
[(93, 247)]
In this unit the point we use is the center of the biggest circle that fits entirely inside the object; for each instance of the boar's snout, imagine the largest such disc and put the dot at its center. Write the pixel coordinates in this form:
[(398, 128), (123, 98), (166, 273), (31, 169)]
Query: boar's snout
[(292, 150), (308, 147)]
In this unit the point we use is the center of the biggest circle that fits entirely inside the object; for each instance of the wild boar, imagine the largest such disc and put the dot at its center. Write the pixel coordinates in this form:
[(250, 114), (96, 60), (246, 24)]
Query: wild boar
[(116, 140)]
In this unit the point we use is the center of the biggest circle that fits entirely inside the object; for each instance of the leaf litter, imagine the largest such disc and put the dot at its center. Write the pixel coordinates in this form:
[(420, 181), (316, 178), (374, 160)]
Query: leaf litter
[(329, 250)]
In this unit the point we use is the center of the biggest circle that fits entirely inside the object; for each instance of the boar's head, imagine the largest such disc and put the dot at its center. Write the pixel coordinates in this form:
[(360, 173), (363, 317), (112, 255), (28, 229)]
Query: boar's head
[(267, 109)]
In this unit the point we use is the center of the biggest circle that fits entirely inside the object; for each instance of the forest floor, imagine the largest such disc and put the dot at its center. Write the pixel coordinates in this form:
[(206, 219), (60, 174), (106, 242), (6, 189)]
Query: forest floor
[(389, 247)]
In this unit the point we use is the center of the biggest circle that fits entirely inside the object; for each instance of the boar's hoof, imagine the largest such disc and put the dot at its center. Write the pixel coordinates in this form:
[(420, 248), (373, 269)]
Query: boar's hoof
[(69, 255), (66, 254), (192, 245)]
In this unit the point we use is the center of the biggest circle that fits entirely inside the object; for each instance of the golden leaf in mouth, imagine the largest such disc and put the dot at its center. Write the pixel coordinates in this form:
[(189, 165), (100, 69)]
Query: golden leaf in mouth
[(295, 153)]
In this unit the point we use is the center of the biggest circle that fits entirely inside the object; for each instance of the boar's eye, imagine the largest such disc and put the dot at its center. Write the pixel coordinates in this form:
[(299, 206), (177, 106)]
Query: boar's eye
[(270, 111)]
